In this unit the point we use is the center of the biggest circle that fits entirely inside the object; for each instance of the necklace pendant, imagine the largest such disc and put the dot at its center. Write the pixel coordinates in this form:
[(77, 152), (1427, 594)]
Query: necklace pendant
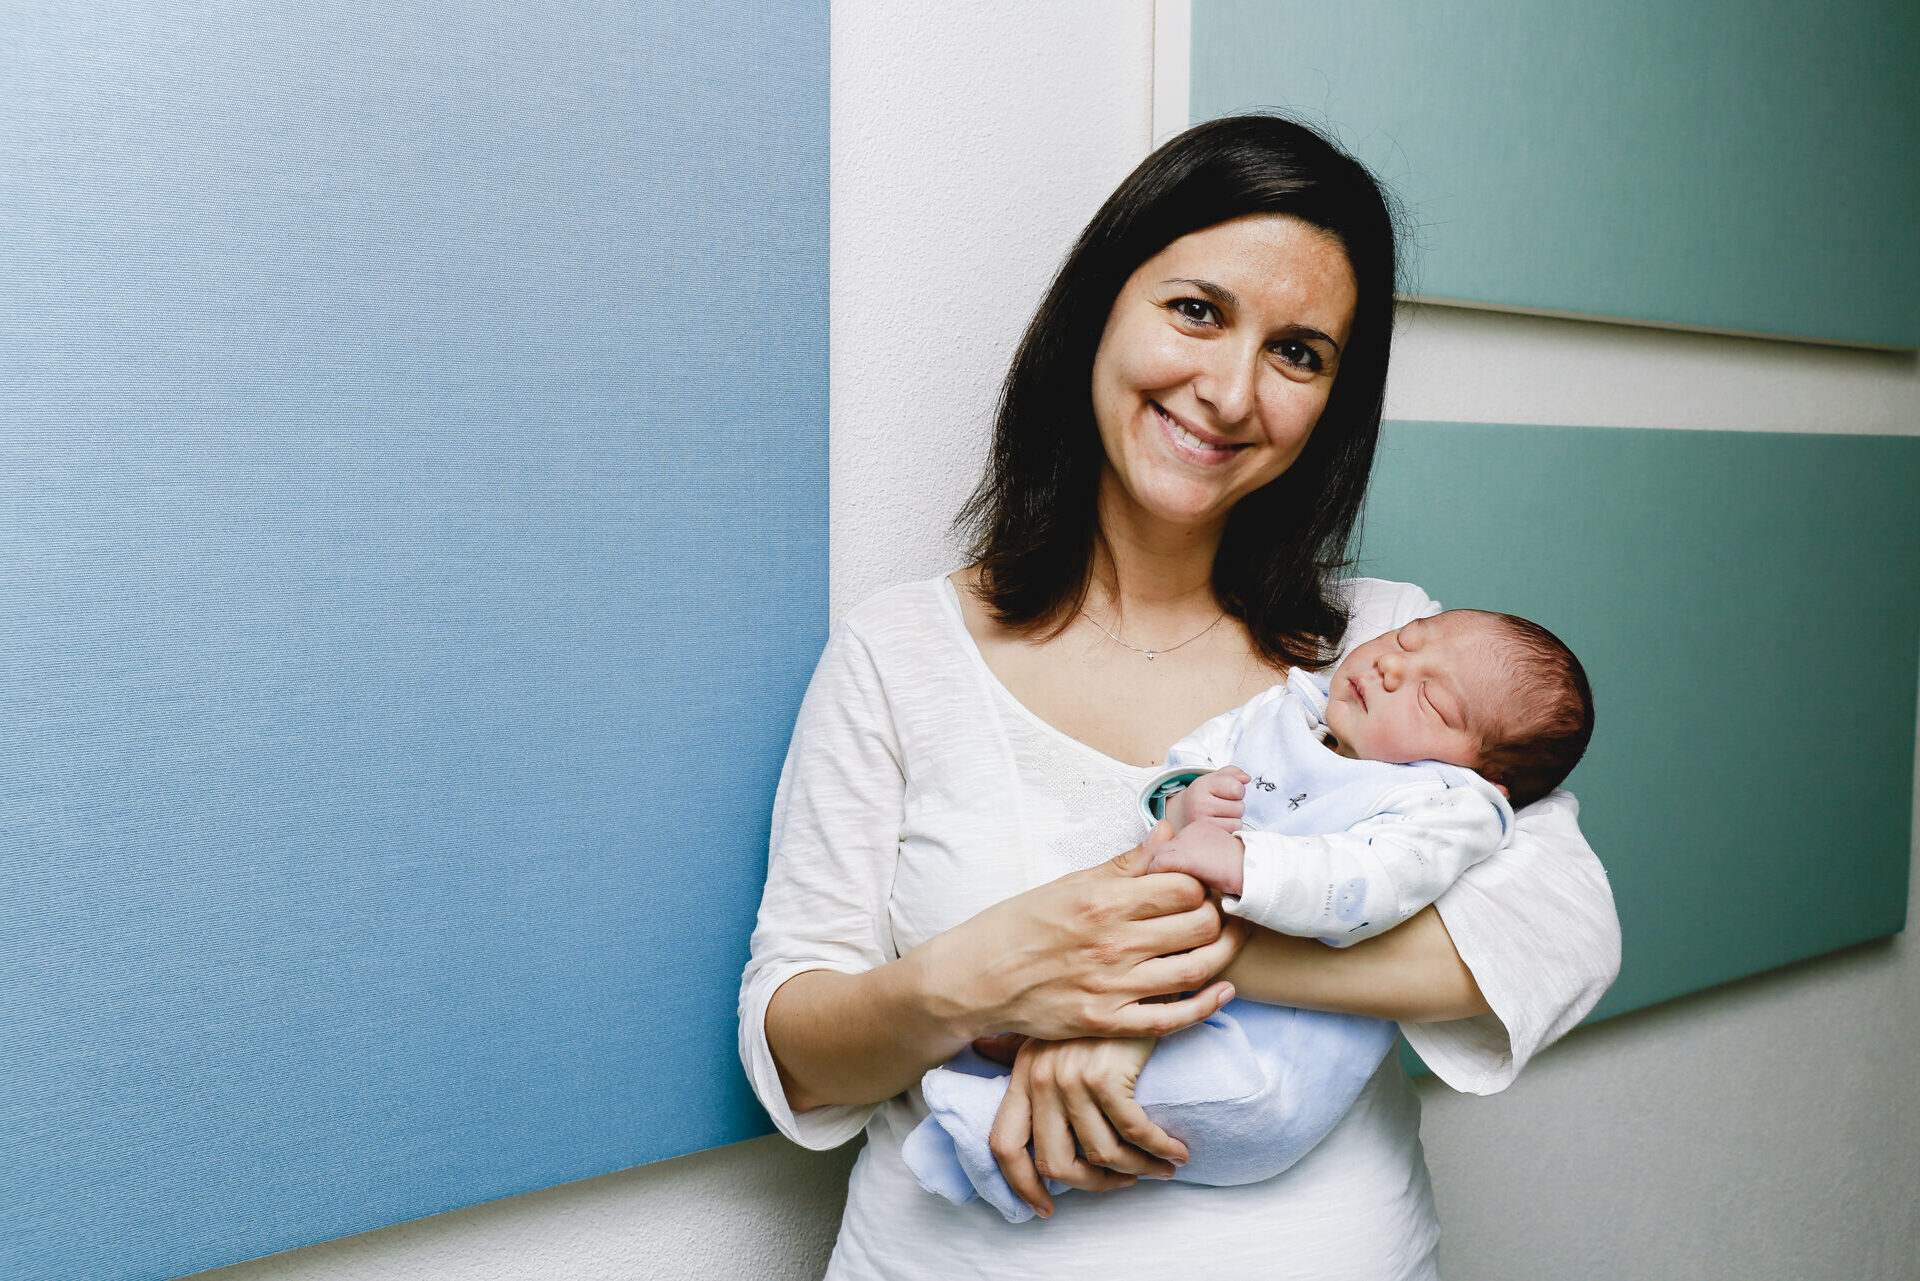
[(1151, 656)]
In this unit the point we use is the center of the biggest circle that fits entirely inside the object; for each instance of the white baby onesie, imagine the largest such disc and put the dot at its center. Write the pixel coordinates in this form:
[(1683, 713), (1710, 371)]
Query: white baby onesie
[(1337, 849)]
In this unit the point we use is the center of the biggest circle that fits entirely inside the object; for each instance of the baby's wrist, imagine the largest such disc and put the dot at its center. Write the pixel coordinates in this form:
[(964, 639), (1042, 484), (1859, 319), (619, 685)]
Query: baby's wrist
[(1177, 806)]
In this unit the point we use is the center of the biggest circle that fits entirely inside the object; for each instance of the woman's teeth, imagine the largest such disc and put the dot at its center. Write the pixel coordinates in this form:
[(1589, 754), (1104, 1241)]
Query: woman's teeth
[(1188, 437)]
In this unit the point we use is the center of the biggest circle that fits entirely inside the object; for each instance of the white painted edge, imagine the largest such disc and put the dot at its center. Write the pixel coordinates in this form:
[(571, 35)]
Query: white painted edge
[(1427, 300), (1172, 67)]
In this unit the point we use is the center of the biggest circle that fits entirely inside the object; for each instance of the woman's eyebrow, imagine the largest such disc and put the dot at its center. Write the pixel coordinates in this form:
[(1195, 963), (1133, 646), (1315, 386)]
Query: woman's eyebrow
[(1216, 293), (1310, 333)]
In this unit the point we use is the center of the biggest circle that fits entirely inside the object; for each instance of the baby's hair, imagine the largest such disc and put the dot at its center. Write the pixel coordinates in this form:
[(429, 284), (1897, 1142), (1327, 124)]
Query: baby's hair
[(1534, 754)]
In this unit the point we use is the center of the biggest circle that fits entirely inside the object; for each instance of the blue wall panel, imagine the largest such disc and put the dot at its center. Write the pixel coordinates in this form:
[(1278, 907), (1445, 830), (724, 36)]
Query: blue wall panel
[(1748, 609), (1748, 165), (413, 512)]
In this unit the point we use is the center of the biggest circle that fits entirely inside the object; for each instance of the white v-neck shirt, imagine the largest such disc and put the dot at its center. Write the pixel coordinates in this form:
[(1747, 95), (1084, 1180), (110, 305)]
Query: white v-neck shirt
[(918, 792)]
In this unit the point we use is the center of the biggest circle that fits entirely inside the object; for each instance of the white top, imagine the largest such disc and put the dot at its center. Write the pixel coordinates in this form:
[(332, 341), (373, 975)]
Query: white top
[(1339, 849), (917, 792)]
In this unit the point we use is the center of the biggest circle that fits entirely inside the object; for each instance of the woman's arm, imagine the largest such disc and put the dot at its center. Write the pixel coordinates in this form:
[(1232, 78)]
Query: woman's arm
[(1411, 974), (1081, 956), (831, 1022)]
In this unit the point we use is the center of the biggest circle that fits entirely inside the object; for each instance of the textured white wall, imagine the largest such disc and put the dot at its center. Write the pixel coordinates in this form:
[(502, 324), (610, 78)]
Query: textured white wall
[(1765, 1129), (971, 142)]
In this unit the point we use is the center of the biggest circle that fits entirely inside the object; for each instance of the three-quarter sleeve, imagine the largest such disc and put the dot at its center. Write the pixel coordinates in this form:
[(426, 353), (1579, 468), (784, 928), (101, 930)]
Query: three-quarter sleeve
[(1536, 925), (836, 833)]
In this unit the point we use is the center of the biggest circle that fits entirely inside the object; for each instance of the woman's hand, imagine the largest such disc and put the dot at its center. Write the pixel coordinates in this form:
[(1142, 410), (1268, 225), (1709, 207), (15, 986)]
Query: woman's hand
[(1084, 955), (1074, 1099)]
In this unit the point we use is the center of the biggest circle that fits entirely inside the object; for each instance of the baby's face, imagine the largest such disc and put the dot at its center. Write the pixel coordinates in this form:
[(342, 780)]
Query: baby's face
[(1428, 692)]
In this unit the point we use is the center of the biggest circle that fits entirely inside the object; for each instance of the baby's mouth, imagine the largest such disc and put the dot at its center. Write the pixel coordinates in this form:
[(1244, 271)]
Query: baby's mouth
[(1359, 695)]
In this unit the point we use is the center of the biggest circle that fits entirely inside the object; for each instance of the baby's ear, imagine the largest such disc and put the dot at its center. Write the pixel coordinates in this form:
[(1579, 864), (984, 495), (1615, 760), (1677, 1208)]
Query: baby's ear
[(1502, 787)]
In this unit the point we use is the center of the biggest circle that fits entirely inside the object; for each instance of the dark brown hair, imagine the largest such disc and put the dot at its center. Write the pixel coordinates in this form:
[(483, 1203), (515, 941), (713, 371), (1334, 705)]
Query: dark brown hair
[(1033, 521), (1535, 754)]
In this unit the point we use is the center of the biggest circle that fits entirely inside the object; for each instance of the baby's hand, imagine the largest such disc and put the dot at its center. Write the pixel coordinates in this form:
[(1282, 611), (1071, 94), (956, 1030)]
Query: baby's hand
[(1218, 799), (1206, 853)]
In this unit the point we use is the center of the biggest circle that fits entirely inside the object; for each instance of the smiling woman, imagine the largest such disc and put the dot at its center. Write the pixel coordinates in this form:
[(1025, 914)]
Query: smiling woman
[(1179, 456), (1214, 366)]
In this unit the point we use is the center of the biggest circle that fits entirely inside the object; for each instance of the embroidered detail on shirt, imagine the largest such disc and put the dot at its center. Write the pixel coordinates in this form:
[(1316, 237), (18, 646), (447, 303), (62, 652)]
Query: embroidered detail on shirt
[(1263, 784), (1349, 899), (1293, 802)]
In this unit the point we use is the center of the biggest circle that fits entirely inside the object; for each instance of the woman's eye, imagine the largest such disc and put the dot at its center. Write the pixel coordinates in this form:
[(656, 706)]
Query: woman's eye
[(1298, 354), (1197, 310)]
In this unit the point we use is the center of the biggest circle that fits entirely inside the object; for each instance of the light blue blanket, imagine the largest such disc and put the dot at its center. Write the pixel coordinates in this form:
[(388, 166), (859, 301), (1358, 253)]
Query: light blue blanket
[(1249, 1091)]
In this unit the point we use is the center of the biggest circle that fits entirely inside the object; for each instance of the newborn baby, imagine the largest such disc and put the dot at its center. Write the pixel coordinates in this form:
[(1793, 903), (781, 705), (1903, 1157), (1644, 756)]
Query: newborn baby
[(1306, 810)]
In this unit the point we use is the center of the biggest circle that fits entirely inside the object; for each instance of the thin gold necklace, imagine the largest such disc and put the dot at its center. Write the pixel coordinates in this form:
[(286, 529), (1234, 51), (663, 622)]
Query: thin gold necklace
[(1155, 653)]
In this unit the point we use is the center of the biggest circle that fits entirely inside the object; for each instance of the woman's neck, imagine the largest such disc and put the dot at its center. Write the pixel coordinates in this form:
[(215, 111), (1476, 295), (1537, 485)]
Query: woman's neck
[(1153, 575)]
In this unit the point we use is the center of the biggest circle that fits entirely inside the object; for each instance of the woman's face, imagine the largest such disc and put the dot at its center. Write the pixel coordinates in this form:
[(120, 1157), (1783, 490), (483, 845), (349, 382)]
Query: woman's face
[(1214, 366)]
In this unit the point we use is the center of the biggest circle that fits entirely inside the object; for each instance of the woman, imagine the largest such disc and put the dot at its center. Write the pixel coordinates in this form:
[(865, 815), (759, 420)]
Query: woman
[(1147, 556)]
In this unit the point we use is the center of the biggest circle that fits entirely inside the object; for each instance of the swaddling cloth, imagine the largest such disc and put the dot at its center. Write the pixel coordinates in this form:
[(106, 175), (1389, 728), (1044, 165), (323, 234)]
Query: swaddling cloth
[(1249, 1091)]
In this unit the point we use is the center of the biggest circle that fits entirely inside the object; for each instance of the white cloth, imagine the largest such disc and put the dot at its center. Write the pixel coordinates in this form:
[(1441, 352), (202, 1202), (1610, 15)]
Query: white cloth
[(1339, 849), (918, 792)]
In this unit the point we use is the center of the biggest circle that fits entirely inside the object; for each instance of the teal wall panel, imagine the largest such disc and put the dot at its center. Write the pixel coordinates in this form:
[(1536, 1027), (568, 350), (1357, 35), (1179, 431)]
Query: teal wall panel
[(1748, 607), (413, 512), (1746, 165)]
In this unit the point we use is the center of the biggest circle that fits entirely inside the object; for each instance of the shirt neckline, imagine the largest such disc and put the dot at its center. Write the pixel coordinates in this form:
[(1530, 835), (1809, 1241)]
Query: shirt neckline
[(957, 620)]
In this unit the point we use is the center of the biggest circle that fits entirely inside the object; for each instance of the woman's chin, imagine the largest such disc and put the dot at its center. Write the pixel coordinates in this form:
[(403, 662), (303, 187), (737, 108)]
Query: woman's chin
[(1176, 511)]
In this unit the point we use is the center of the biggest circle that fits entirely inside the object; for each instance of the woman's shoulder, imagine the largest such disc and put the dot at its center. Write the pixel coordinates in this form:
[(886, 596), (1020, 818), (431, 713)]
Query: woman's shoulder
[(913, 623), (922, 603), (1377, 605)]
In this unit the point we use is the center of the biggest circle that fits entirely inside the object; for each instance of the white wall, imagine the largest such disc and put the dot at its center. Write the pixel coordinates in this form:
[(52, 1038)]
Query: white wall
[(1765, 1129)]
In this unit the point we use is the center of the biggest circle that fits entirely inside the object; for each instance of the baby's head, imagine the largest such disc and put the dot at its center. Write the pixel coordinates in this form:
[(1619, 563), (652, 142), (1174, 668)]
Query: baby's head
[(1492, 692)]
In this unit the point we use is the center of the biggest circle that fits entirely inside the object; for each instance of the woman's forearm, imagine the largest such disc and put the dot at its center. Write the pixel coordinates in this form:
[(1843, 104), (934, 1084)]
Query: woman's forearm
[(1086, 955), (1411, 974), (855, 1038)]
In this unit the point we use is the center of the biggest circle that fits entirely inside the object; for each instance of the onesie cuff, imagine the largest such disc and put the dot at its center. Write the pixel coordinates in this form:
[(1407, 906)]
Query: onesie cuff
[(1260, 883), (1157, 790)]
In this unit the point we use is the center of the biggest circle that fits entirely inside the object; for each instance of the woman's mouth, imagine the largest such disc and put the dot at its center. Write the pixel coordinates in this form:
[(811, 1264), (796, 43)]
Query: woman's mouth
[(1191, 444)]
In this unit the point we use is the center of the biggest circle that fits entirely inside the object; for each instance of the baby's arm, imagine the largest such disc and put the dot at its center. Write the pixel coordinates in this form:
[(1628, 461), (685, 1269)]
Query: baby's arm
[(1347, 886), (1212, 805)]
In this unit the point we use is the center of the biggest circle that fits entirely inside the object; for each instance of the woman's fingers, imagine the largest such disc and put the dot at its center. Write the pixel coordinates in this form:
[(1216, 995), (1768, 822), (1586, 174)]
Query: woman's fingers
[(1169, 971), (1181, 932), (1007, 1140), (1135, 1129), (1101, 1141), (1168, 1017), (1160, 894), (1056, 1154)]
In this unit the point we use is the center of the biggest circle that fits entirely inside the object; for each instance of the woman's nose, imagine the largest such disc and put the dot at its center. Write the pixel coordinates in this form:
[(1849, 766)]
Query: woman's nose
[(1227, 382)]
